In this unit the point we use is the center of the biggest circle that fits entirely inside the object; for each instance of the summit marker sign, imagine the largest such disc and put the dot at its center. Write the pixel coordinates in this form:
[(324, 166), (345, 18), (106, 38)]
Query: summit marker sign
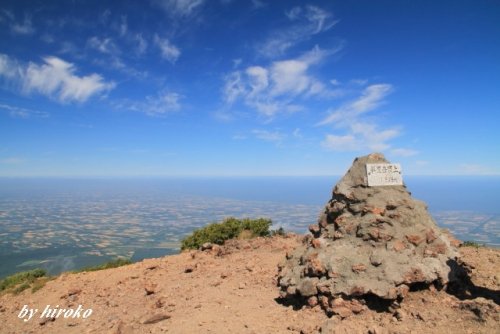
[(384, 175)]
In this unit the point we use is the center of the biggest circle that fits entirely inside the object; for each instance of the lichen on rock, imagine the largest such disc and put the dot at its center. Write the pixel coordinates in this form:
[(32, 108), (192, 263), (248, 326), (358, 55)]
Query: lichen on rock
[(368, 242)]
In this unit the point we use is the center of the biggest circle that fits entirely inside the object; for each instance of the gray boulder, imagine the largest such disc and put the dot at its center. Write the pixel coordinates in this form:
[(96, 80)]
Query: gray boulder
[(370, 242)]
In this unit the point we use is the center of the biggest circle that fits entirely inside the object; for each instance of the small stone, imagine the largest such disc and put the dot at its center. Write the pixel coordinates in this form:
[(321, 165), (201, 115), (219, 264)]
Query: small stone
[(46, 320), (314, 229), (430, 236), (316, 243), (149, 288), (398, 245), (312, 301), (357, 268), (206, 246), (189, 269), (375, 260), (414, 239), (316, 268), (156, 318), (342, 311), (400, 315), (74, 291), (374, 330), (307, 287)]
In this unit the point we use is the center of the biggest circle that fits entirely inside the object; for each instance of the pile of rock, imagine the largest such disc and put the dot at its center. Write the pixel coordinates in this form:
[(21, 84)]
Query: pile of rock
[(369, 243)]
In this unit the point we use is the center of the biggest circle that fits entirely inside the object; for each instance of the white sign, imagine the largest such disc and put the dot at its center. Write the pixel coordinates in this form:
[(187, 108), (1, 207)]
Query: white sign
[(384, 175)]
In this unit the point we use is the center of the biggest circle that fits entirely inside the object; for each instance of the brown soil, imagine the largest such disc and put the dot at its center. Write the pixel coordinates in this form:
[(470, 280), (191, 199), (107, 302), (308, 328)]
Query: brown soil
[(233, 290)]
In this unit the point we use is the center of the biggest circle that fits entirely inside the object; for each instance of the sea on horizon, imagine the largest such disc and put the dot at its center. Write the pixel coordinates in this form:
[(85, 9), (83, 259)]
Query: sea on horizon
[(66, 224)]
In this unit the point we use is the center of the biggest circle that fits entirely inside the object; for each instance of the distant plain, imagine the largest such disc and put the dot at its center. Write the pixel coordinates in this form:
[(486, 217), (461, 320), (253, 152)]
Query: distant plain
[(66, 224)]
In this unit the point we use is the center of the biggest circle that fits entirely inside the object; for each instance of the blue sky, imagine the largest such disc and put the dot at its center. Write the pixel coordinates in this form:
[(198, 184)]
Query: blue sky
[(242, 87)]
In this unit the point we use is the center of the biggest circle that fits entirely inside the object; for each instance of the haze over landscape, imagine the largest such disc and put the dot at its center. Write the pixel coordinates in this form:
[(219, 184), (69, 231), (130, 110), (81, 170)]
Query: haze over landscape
[(194, 87)]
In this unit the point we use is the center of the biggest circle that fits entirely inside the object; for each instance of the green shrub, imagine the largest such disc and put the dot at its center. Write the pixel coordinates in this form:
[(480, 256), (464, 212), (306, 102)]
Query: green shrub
[(108, 265), (471, 244), (280, 231), (21, 281), (229, 228)]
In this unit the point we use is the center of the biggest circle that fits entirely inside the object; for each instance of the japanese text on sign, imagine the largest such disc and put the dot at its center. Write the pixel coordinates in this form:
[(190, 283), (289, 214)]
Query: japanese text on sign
[(384, 175)]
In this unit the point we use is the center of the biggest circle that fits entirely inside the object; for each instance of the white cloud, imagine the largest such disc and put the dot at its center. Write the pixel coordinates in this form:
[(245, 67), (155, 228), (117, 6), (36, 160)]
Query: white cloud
[(307, 21), (234, 87), (9, 68), (289, 76), (142, 44), (168, 50), (272, 136), (123, 26), (54, 78), (160, 105), (370, 99), (404, 152), (258, 79), (18, 28), (25, 28), (361, 134), (294, 13), (180, 8), (335, 82), (297, 133), (341, 143), (19, 112), (273, 89), (105, 45), (257, 4)]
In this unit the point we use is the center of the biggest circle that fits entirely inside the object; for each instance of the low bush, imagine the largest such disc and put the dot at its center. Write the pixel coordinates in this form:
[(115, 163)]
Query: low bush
[(108, 265), (24, 280), (471, 244), (229, 228)]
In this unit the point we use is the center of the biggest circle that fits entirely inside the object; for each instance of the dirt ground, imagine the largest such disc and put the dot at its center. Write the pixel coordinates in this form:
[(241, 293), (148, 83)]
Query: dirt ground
[(233, 290)]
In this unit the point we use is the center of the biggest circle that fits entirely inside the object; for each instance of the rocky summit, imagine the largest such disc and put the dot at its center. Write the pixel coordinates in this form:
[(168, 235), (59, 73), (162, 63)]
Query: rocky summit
[(370, 244)]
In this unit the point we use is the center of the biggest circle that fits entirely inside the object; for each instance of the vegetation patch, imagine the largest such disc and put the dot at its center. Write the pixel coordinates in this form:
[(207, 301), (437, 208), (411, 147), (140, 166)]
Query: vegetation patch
[(21, 281), (107, 265), (471, 244), (229, 228)]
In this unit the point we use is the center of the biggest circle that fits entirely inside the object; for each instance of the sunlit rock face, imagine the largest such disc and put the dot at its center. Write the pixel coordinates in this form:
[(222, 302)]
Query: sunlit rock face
[(369, 241)]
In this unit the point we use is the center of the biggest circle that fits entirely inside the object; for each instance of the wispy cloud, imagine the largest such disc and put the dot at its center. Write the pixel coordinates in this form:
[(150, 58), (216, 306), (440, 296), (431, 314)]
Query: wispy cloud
[(24, 28), (404, 152), (54, 78), (360, 133), (305, 22), (161, 104), (141, 44), (19, 112), (179, 8), (370, 99), (168, 50), (361, 136), (258, 4), (271, 136), (103, 45), (275, 88)]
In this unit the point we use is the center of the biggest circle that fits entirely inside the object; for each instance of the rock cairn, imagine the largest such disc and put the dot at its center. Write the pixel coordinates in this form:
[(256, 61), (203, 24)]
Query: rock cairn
[(370, 243)]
